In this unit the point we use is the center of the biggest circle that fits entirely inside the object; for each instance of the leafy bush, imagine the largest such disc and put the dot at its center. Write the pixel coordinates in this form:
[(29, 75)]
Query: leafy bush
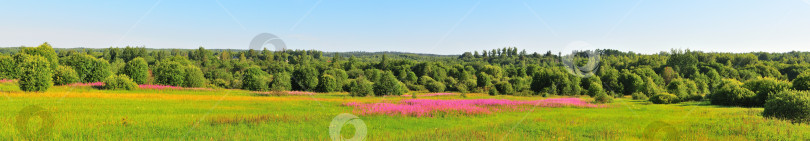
[(328, 83), (281, 82), (65, 75), (640, 96), (194, 77), (731, 93), (387, 85), (492, 91), (361, 87), (764, 87), (170, 73), (603, 98), (685, 89), (255, 79), (802, 82), (119, 82), (305, 78), (8, 67), (435, 86), (89, 68), (138, 70), (595, 89), (35, 73), (505, 88), (789, 105), (664, 98)]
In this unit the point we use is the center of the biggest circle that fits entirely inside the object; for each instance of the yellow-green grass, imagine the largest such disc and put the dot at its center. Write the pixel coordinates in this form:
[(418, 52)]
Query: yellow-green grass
[(85, 113)]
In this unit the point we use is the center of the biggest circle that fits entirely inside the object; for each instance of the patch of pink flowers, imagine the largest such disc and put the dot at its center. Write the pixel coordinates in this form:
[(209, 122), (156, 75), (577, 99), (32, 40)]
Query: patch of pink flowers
[(286, 93), (429, 107), (431, 94), (94, 84), (6, 80)]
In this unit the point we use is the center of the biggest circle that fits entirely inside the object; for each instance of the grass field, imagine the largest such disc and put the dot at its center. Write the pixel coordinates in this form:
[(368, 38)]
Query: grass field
[(85, 113)]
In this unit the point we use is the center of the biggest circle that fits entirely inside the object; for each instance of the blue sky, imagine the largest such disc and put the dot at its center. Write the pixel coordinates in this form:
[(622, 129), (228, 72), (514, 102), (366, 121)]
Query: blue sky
[(438, 27)]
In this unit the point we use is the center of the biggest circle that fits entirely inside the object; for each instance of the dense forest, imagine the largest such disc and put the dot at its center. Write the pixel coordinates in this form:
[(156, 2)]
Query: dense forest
[(758, 79)]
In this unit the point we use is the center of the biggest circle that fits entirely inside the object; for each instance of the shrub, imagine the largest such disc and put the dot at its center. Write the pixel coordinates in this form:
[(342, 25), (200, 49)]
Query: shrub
[(35, 73), (595, 89), (170, 73), (8, 67), (255, 79), (138, 70), (664, 98), (89, 68), (360, 87), (603, 98), (764, 87), (387, 85), (640, 96), (731, 93), (328, 83), (632, 83), (306, 78), (802, 82), (685, 89), (119, 82), (281, 82), (65, 75), (789, 105), (505, 88), (492, 91), (435, 86), (194, 77)]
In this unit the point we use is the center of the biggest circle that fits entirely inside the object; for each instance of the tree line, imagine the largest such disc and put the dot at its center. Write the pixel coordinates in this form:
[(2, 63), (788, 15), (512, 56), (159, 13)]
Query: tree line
[(732, 79)]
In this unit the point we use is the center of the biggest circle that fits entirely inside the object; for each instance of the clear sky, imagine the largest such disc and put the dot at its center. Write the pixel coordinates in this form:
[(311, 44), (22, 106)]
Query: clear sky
[(420, 26)]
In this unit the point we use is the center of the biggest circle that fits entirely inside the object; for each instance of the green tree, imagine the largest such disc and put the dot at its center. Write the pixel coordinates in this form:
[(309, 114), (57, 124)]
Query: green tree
[(305, 78), (435, 86), (194, 77), (632, 83), (790, 105), (170, 73), (731, 93), (255, 79), (65, 75), (763, 87), (119, 82), (281, 82), (802, 82), (505, 88), (89, 68), (361, 87), (8, 67), (35, 73), (328, 83), (45, 50), (387, 85), (138, 70)]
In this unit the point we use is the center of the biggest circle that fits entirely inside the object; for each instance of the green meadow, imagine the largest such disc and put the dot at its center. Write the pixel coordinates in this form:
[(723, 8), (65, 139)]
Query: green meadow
[(86, 113)]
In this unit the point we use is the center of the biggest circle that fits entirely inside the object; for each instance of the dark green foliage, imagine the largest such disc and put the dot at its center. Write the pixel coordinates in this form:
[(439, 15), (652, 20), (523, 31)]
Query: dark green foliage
[(731, 93), (170, 73), (361, 87), (8, 67), (595, 89), (640, 96), (763, 87), (194, 77), (45, 50), (603, 98), (650, 88), (137, 69), (35, 73), (305, 78), (505, 88), (802, 82), (492, 91), (89, 68), (65, 75), (632, 83), (255, 79), (387, 85), (435, 86), (664, 98), (610, 79), (685, 89), (119, 82), (281, 82), (328, 83), (789, 105)]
